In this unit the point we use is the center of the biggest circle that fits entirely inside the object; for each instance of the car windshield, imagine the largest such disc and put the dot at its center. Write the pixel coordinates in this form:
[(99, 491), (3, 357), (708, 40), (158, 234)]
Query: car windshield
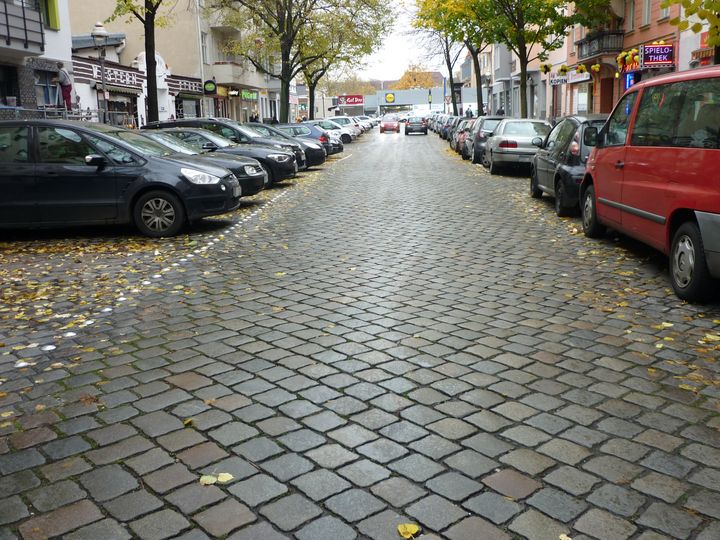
[(173, 143), (390, 118), (415, 119), (140, 143), (245, 130), (489, 125), (530, 129), (329, 124), (267, 131)]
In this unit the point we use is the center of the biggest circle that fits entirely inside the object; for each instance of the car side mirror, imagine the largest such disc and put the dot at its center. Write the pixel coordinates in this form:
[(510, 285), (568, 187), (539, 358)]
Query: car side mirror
[(537, 141), (591, 136), (95, 160), (209, 146)]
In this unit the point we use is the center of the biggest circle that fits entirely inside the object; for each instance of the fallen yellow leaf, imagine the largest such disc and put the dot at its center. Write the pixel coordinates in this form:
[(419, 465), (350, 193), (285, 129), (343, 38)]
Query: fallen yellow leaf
[(188, 422), (6, 414), (564, 537), (408, 530), (208, 480), (224, 478), (279, 274)]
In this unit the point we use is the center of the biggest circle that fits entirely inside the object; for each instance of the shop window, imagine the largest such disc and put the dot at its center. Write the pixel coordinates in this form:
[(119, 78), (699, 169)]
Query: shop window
[(13, 144), (58, 145), (46, 91), (617, 124)]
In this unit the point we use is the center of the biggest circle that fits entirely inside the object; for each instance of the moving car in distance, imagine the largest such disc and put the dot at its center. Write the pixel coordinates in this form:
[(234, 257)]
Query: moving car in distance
[(416, 124), (390, 122)]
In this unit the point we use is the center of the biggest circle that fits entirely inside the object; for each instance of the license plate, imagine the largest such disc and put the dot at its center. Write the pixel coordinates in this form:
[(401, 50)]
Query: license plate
[(236, 191), (525, 158)]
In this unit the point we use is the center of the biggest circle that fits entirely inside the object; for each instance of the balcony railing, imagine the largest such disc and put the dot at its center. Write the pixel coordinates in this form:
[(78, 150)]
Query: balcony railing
[(601, 43), (21, 28)]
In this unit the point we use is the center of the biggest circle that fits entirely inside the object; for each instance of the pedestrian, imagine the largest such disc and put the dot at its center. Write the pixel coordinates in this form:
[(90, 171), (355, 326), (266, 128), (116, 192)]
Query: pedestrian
[(501, 111), (274, 120), (468, 112), (63, 79)]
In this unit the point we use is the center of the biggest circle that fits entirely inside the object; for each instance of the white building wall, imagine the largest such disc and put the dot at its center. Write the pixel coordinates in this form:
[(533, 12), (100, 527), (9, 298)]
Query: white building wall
[(58, 43)]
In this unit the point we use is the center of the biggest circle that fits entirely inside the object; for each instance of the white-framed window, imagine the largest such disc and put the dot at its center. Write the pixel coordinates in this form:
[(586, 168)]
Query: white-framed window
[(631, 15), (646, 12), (46, 91), (664, 12), (204, 47)]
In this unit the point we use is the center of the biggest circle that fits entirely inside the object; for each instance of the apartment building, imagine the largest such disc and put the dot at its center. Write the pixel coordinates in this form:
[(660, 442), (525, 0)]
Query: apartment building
[(196, 76), (34, 36)]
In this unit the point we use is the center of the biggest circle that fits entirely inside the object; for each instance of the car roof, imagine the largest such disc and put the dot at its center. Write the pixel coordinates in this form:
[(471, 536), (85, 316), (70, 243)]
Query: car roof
[(95, 126), (698, 73), (582, 118)]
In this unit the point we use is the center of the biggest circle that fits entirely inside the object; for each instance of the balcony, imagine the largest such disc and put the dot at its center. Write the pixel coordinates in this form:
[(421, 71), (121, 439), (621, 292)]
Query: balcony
[(21, 30), (600, 43)]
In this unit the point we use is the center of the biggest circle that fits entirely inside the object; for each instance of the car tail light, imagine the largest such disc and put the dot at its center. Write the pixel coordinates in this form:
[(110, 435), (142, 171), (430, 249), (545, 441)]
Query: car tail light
[(575, 148), (508, 144), (323, 139)]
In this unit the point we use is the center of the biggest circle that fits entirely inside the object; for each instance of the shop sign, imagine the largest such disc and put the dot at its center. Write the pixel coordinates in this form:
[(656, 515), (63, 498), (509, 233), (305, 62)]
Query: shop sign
[(657, 56), (575, 77), (188, 86), (222, 91), (248, 95), (352, 100), (209, 87), (116, 76), (233, 92), (390, 98), (557, 80)]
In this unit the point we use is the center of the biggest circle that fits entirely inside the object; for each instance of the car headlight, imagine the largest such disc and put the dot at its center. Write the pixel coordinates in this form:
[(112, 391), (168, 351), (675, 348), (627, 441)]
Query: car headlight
[(253, 170), (280, 146), (280, 158), (199, 177), (313, 146)]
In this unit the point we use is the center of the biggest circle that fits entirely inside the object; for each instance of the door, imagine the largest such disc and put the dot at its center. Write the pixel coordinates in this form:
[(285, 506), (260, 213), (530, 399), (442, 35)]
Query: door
[(67, 189), (606, 95), (17, 177), (608, 168), (558, 154), (542, 158)]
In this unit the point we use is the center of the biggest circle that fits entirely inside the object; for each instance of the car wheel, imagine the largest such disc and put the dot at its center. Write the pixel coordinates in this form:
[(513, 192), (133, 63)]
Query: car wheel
[(475, 157), (688, 267), (347, 139), (561, 208), (491, 165), (465, 154), (591, 226), (535, 191), (268, 171), (158, 213), (485, 162)]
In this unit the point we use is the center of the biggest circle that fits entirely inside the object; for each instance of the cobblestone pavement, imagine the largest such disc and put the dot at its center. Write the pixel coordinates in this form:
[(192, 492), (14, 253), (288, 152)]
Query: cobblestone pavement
[(400, 337)]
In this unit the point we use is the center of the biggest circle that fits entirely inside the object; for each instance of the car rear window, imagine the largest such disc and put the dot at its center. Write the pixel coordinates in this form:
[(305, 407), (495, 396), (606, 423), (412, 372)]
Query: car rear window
[(526, 128)]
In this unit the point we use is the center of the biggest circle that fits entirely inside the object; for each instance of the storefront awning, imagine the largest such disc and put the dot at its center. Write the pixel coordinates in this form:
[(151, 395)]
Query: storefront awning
[(118, 89), (707, 52)]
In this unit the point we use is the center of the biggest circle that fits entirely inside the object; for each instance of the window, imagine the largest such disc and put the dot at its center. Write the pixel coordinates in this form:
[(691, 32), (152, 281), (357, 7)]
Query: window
[(554, 134), (563, 140), (617, 124), (9, 91), (46, 91), (58, 145), (13, 144), (50, 14), (115, 153), (631, 16), (657, 115), (698, 125), (225, 132), (664, 12), (646, 12), (204, 47)]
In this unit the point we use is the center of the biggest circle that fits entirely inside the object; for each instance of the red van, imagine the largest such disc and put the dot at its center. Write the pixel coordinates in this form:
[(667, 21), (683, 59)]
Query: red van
[(654, 174)]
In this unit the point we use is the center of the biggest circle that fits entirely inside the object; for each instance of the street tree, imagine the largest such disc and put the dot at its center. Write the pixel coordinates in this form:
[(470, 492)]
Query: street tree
[(460, 21), (699, 16), (415, 76), (149, 14), (351, 85), (437, 42)]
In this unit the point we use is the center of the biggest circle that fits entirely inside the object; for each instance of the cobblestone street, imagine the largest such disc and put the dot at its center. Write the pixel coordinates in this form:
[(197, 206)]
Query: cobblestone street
[(397, 337)]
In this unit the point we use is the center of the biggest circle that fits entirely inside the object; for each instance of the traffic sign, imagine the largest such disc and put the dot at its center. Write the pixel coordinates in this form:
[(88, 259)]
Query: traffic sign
[(448, 99)]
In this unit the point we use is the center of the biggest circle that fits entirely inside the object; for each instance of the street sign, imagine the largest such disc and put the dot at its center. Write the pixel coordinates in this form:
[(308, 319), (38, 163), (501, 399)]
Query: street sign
[(350, 100), (448, 99)]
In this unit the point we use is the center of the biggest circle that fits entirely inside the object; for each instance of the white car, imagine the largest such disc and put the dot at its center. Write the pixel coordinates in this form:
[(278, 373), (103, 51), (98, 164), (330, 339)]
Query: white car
[(373, 121), (346, 134), (346, 121), (367, 125)]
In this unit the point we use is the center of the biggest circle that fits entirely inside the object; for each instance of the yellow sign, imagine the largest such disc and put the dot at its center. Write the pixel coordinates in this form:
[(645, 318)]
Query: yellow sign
[(222, 91), (389, 98)]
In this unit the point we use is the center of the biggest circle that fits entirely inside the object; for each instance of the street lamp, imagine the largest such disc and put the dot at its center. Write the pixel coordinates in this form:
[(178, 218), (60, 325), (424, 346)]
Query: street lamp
[(100, 36)]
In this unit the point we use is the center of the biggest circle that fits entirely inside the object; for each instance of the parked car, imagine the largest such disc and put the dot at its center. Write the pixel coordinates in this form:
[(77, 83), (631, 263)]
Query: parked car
[(331, 142), (558, 166), (278, 164), (347, 122), (416, 124), (654, 175), (448, 125), (345, 133), (59, 173), (511, 142), (315, 153), (457, 140), (390, 122), (230, 129), (248, 171), (373, 121), (479, 136)]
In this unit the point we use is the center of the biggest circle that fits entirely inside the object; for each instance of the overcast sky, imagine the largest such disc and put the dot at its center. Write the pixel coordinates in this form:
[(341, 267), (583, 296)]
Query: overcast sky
[(399, 49)]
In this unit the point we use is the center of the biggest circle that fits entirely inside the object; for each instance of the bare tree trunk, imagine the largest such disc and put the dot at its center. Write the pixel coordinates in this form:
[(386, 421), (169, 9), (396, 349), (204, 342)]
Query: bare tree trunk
[(523, 59), (151, 65), (449, 63), (475, 53), (311, 100)]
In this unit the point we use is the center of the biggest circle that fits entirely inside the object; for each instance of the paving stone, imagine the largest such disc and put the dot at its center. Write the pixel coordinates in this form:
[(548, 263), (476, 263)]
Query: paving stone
[(535, 526), (488, 421), (624, 449), (324, 421), (364, 472), (132, 505), (326, 528), (511, 483), (471, 463), (663, 487), (602, 525), (201, 455), (397, 491), (492, 506), (705, 502), (557, 504), (55, 495), (668, 519), (526, 435), (108, 482), (301, 440), (223, 518), (163, 524), (63, 448), (416, 467), (258, 449), (107, 529), (571, 480), (374, 419), (711, 532), (453, 486), (435, 512), (191, 498), (473, 528), (32, 437), (452, 428), (383, 526), (564, 451), (352, 435), (118, 451), (354, 504), (668, 464), (287, 466), (613, 469), (12, 509), (59, 470), (60, 521), (17, 461), (169, 478), (403, 432), (157, 423), (616, 499), (331, 456), (435, 447), (527, 461), (259, 531), (258, 489), (320, 484), (290, 512), (382, 450)]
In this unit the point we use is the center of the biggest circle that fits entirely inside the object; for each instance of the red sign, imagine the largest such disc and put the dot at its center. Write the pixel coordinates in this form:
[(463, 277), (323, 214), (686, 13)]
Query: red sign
[(657, 55), (704, 39), (350, 100)]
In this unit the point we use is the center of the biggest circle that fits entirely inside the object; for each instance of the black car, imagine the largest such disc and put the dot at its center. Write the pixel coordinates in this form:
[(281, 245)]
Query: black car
[(481, 132), (278, 164), (248, 171), (333, 145), (236, 132), (416, 124), (559, 164), (59, 173), (315, 153)]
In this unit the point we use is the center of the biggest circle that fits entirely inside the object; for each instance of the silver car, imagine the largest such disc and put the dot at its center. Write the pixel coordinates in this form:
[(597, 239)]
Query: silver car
[(511, 142)]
